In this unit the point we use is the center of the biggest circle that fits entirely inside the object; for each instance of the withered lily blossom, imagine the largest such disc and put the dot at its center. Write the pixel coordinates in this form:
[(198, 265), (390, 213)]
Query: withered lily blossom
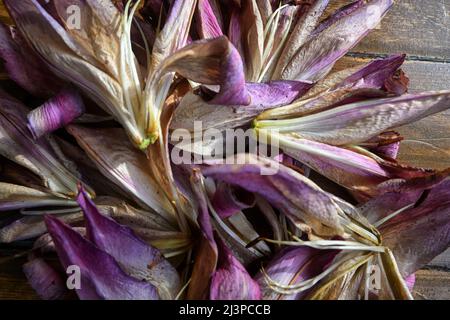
[(94, 93)]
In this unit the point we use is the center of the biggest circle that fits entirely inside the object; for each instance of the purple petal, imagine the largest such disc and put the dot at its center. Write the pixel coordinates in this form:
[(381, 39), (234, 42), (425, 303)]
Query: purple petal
[(358, 122), (101, 276), (56, 113), (375, 74), (348, 168), (341, 33), (208, 24), (419, 234), (292, 266), (286, 189), (231, 281), (276, 93), (213, 62), (137, 258), (339, 14), (47, 283), (229, 200), (24, 67), (300, 33)]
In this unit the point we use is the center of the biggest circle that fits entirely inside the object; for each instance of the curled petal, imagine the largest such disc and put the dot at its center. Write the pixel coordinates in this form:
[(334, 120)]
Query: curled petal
[(228, 200), (137, 258), (212, 62), (55, 113), (101, 276)]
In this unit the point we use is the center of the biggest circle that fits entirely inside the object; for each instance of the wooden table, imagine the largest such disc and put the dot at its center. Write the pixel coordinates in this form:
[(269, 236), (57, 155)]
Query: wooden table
[(416, 27)]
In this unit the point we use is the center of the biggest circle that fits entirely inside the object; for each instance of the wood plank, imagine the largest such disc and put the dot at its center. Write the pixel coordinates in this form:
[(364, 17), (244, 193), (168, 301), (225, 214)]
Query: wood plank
[(13, 283), (432, 285), (416, 27)]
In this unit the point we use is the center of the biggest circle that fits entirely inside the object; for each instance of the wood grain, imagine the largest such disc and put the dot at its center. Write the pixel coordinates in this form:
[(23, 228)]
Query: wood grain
[(432, 285), (420, 28)]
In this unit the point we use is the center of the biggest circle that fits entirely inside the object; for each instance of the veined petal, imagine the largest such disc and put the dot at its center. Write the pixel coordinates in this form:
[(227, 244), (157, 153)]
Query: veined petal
[(300, 33), (55, 113), (314, 206), (231, 281), (126, 166), (362, 84), (252, 27), (212, 62), (360, 121), (419, 229), (101, 276), (350, 169), (175, 33), (375, 74), (136, 258), (13, 197), (208, 22), (341, 33)]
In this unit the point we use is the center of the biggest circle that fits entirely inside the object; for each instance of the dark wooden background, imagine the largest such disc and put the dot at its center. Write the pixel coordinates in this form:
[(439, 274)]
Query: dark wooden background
[(416, 27)]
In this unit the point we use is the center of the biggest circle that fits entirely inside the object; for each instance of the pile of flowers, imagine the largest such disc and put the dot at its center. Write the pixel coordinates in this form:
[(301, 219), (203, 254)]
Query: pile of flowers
[(97, 92)]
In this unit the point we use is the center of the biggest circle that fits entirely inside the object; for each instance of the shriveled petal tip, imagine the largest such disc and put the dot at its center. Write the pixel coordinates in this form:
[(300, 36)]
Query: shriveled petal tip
[(231, 281), (208, 23), (300, 198), (47, 283), (212, 62), (229, 200), (56, 113), (290, 267), (101, 276), (136, 258), (375, 74)]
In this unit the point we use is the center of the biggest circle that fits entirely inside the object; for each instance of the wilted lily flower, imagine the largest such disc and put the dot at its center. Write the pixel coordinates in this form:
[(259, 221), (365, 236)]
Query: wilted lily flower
[(109, 200)]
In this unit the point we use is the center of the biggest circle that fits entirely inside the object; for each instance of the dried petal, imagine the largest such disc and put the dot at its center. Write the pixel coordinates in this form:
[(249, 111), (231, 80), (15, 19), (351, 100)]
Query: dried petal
[(315, 207), (101, 276), (228, 200), (136, 258), (55, 113), (341, 33)]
